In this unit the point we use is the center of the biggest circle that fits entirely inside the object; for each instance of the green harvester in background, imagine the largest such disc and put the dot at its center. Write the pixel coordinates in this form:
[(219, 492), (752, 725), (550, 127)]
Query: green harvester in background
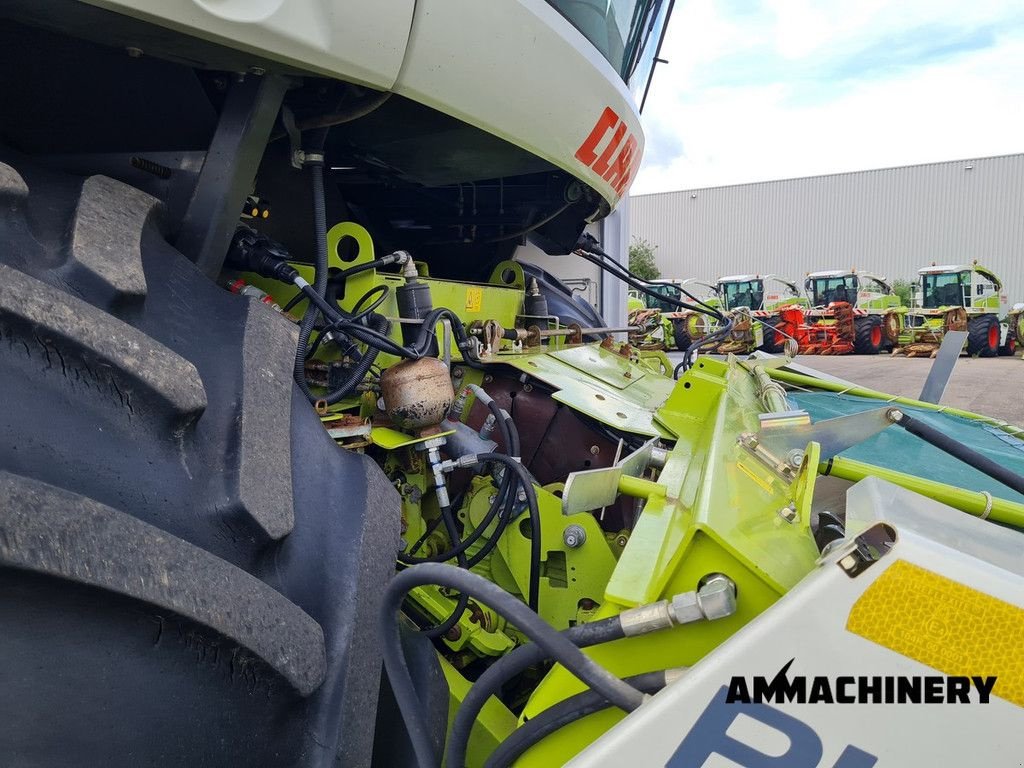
[(961, 298)]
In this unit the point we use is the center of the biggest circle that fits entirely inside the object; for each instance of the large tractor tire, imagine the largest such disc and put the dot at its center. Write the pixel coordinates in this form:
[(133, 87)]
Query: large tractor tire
[(774, 342), (983, 336), (189, 566), (868, 337)]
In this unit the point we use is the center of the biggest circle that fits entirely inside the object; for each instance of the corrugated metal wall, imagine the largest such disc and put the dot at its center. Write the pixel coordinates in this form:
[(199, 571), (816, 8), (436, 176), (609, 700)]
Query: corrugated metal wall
[(890, 221)]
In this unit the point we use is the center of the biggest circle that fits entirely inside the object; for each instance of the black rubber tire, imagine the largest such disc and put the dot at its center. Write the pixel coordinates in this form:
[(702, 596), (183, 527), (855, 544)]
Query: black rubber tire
[(771, 340), (189, 566), (867, 335), (979, 336), (1009, 349), (680, 335)]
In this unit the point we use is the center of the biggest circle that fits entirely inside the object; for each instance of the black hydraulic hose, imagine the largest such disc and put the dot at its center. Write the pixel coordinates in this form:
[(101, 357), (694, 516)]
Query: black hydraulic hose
[(687, 361), (515, 449), (505, 501), (463, 601), (526, 483), (380, 324), (509, 666), (460, 547), (606, 263), (958, 450), (556, 645), (562, 714), (319, 277)]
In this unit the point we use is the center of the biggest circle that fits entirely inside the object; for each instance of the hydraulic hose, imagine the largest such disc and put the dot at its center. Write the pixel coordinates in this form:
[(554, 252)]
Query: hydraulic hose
[(562, 714), (526, 484), (319, 276), (463, 601), (958, 450), (507, 667), (556, 645), (380, 324)]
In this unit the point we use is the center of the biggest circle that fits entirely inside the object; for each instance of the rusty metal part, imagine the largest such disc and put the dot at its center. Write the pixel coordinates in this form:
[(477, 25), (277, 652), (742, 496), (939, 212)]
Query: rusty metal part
[(955, 319), (417, 393), (347, 425)]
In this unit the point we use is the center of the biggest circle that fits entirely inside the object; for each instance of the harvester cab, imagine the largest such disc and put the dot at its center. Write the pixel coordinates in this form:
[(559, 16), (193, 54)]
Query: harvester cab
[(761, 297), (968, 298)]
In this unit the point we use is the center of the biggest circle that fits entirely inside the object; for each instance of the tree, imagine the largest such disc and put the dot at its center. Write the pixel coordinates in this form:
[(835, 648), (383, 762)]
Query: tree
[(902, 289), (641, 259)]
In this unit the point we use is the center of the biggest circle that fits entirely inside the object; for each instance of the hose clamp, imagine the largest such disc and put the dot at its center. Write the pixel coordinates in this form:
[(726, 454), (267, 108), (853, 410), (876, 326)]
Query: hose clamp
[(988, 505)]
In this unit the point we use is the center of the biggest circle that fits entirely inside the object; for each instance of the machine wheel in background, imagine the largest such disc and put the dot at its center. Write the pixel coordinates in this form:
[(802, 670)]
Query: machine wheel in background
[(867, 335), (983, 336)]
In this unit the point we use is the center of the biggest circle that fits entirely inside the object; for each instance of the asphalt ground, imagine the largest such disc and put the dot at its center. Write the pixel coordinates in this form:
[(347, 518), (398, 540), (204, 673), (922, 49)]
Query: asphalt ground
[(991, 386)]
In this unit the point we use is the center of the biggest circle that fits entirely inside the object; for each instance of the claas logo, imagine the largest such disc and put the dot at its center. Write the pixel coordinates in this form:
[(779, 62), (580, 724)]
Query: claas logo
[(610, 152)]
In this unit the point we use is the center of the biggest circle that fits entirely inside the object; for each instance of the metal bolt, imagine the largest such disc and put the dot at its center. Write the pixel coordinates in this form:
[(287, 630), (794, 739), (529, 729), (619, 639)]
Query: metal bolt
[(788, 513), (594, 450), (458, 373), (134, 52), (621, 540), (574, 536), (454, 633), (894, 415), (795, 458), (492, 498)]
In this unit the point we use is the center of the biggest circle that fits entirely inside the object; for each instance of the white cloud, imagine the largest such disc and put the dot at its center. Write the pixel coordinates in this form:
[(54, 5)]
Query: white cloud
[(776, 93)]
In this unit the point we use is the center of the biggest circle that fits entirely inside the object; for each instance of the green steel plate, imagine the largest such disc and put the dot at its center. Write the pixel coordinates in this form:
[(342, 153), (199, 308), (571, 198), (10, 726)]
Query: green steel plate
[(390, 439), (582, 383)]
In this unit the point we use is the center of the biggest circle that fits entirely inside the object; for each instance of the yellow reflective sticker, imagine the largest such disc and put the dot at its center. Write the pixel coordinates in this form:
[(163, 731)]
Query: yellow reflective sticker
[(944, 624), (474, 298)]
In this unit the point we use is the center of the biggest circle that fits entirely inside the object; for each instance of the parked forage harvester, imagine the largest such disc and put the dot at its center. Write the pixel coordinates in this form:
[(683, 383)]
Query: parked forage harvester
[(849, 312), (961, 298), (755, 303), (661, 324)]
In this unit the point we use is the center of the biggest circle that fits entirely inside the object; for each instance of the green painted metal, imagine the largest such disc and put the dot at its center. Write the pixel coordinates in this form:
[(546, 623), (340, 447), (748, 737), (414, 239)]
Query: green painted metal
[(717, 509), (493, 724), (973, 502), (628, 402)]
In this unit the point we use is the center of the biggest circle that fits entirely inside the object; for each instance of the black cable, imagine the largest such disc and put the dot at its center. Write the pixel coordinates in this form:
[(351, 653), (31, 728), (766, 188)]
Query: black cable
[(526, 483), (717, 336), (378, 323), (514, 663), (562, 714), (292, 302), (463, 601), (589, 249), (319, 278), (958, 450), (512, 610), (358, 313), (601, 264), (505, 497)]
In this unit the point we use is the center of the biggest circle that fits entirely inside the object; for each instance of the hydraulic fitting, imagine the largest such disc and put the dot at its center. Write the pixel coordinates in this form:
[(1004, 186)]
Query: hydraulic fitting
[(715, 599)]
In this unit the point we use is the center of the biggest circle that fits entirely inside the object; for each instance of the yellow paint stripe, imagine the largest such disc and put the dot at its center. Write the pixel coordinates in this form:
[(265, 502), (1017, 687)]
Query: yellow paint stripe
[(944, 624)]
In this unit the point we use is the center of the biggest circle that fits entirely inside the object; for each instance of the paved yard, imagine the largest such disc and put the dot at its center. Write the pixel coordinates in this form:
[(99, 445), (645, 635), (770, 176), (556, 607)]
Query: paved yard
[(992, 386)]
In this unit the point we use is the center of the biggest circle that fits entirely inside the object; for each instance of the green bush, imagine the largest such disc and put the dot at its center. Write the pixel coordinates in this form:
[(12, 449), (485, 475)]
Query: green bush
[(641, 259), (901, 288)]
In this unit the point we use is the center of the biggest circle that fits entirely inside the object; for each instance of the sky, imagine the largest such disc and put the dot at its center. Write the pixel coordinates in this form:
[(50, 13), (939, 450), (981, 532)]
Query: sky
[(770, 89)]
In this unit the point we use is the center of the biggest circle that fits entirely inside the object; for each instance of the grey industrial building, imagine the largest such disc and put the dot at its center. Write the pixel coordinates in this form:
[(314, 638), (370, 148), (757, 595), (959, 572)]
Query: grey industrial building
[(890, 221)]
